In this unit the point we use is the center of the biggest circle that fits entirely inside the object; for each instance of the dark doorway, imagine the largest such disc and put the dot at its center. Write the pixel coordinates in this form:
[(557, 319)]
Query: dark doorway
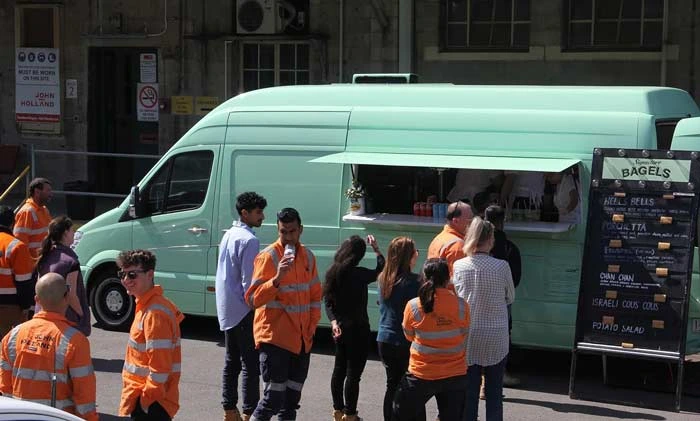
[(113, 126)]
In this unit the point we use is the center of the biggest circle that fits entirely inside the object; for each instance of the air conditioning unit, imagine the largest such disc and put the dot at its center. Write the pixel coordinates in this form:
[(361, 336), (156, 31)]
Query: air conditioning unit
[(263, 16)]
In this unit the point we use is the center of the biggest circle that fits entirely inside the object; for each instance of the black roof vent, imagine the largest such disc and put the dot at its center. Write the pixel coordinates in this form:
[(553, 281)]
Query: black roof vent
[(385, 78)]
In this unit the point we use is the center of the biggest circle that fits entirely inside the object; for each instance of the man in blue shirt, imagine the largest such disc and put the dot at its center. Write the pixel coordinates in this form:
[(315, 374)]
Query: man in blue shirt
[(234, 272)]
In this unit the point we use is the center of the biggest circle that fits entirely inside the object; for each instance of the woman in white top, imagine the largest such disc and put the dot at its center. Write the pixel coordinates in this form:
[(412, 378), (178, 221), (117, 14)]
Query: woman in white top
[(487, 285)]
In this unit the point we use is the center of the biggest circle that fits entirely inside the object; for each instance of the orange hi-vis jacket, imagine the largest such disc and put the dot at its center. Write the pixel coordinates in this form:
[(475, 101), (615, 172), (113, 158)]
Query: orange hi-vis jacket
[(286, 315), (32, 225), (447, 245), (152, 364), (44, 346), (439, 338), (16, 267)]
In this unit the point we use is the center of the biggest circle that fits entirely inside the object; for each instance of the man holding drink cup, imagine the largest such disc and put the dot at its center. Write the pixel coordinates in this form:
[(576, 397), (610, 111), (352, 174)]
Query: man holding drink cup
[(286, 294)]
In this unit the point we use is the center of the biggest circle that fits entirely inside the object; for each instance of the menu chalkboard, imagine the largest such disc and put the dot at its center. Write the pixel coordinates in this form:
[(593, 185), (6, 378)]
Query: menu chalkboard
[(639, 250), (638, 257)]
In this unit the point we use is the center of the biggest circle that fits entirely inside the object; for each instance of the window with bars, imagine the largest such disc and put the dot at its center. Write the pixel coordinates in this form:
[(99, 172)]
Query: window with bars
[(620, 25), (266, 64), (468, 25)]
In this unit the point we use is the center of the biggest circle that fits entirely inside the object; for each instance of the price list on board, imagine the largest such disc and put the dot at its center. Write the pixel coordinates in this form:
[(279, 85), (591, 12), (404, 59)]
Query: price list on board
[(639, 250)]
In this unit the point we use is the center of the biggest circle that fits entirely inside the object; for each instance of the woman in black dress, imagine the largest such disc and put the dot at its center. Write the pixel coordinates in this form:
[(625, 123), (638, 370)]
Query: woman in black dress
[(345, 296)]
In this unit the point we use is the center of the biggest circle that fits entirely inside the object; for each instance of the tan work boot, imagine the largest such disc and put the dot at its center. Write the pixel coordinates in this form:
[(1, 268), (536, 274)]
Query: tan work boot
[(351, 418), (246, 417), (337, 415), (232, 415)]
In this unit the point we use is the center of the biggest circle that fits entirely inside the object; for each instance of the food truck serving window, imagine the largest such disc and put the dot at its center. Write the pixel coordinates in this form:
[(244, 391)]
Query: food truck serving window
[(539, 194)]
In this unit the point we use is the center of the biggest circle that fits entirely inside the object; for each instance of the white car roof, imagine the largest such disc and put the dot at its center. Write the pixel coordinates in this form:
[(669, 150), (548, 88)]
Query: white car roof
[(16, 406)]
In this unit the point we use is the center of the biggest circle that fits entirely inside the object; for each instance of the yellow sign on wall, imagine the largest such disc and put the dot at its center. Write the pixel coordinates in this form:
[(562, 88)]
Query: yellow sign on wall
[(181, 105), (204, 104)]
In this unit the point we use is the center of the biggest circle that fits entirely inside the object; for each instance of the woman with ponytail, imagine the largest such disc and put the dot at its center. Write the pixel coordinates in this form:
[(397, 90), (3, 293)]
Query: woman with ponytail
[(436, 322), (487, 285), (397, 285), (57, 256), (345, 296)]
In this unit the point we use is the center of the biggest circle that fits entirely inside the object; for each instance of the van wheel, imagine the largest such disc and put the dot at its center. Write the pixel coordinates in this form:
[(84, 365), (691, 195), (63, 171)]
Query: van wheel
[(111, 305)]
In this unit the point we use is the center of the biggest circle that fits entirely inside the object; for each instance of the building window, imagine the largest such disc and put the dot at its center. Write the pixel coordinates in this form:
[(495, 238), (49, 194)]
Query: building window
[(622, 25), (274, 64), (37, 26), (485, 25)]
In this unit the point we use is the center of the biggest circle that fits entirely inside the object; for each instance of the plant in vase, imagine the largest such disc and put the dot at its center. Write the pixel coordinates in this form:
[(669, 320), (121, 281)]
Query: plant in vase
[(356, 195)]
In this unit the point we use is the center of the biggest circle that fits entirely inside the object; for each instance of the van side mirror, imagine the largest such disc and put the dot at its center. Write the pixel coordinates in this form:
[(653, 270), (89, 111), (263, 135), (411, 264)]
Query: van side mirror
[(135, 204)]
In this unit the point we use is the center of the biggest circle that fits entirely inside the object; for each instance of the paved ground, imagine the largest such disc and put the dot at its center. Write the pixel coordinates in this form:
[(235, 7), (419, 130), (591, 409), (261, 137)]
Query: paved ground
[(543, 396)]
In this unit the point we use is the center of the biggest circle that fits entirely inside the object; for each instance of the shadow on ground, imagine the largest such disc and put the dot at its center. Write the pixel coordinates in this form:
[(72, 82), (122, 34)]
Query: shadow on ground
[(572, 408), (108, 417), (108, 366)]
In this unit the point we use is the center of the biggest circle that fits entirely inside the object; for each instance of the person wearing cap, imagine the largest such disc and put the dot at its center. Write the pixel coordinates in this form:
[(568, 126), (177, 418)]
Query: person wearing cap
[(449, 242), (32, 220), (46, 346), (286, 294), (16, 267)]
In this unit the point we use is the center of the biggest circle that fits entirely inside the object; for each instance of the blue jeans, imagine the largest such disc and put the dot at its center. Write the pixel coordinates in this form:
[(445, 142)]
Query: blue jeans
[(494, 390), (283, 374), (241, 358)]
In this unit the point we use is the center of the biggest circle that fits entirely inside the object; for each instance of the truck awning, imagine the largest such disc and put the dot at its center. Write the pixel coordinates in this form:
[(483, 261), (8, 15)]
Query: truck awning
[(450, 161)]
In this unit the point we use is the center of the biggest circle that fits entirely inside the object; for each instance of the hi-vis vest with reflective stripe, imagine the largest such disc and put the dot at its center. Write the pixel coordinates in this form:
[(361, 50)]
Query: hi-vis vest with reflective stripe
[(16, 266), (285, 315), (153, 359), (439, 338), (32, 226), (35, 351), (447, 245)]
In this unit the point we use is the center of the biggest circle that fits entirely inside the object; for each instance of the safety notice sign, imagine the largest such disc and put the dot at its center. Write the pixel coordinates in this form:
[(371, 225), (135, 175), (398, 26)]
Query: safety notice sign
[(37, 85), (147, 102)]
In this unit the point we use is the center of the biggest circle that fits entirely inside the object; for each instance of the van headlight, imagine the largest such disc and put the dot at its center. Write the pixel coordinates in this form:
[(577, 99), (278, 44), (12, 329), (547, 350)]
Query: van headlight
[(76, 239)]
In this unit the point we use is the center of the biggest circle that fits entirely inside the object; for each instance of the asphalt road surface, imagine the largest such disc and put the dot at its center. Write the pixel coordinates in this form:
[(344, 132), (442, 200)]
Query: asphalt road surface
[(542, 396)]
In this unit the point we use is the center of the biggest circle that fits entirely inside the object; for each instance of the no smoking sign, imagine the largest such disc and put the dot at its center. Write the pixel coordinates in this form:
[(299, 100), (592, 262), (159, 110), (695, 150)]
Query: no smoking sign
[(147, 103)]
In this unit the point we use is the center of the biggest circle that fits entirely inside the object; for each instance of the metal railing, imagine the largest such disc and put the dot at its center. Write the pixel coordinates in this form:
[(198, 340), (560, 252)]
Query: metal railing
[(33, 152)]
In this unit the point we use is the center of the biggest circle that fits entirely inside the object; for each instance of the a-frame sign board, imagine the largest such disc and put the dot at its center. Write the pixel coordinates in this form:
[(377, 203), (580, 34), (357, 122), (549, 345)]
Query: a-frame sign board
[(638, 257)]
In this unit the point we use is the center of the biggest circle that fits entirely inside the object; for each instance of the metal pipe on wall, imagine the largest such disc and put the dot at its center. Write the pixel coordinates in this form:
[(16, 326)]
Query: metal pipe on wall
[(341, 25), (406, 36), (691, 70), (664, 44)]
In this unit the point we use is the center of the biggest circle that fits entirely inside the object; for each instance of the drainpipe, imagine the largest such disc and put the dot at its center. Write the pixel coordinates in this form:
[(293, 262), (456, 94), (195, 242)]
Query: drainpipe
[(341, 21), (406, 36), (691, 70), (664, 43)]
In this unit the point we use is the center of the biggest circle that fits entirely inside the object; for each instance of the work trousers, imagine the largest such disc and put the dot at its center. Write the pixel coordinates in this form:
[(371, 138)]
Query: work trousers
[(351, 351), (395, 361), (241, 359), (493, 376), (155, 413), (413, 393), (283, 375)]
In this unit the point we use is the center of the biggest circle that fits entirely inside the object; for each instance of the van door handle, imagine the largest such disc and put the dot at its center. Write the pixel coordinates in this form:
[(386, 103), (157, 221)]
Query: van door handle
[(197, 230)]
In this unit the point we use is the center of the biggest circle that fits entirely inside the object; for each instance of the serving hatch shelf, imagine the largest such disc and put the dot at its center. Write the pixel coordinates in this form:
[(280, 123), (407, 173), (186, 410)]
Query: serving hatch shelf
[(428, 221)]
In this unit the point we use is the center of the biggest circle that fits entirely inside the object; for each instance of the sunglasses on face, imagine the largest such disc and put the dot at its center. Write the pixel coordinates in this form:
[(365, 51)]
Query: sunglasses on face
[(132, 274)]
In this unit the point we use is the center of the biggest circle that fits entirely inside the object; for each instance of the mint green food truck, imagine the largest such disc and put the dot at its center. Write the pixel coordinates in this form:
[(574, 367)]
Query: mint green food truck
[(303, 146)]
